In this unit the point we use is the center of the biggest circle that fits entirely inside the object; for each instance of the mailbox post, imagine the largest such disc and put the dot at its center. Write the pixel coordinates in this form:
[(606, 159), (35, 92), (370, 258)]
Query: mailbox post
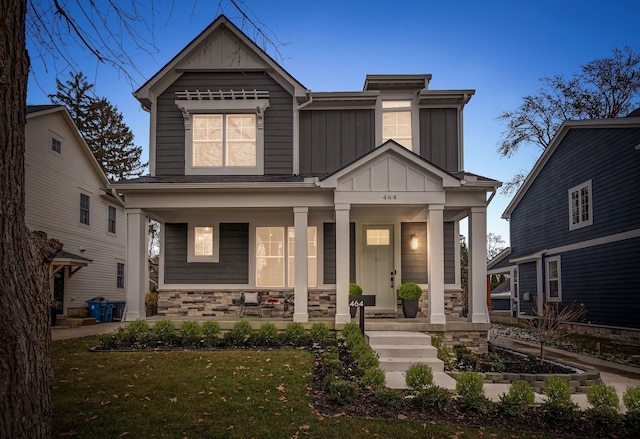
[(360, 302)]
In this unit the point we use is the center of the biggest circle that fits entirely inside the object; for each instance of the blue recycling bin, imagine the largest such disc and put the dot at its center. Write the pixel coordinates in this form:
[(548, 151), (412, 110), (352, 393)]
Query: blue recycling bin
[(95, 310), (106, 311)]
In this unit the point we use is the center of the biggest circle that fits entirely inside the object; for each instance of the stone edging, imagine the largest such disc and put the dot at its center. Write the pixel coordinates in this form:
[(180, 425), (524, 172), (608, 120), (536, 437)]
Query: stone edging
[(578, 382)]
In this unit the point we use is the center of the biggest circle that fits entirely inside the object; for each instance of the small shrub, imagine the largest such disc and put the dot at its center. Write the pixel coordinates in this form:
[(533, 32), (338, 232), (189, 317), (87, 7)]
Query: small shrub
[(498, 367), (137, 327), (210, 328), (267, 335), (558, 406), (373, 378), (350, 329), (445, 353), (631, 399), (388, 397), (366, 361), (605, 404), (294, 333), (355, 290), (471, 390), (434, 397), (319, 332), (238, 335), (409, 290), (342, 391), (190, 333), (419, 377), (331, 367), (164, 332), (466, 359), (520, 395), (151, 304)]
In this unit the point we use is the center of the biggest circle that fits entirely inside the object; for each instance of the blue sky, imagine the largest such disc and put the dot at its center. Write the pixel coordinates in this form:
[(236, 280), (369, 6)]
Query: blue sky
[(499, 48)]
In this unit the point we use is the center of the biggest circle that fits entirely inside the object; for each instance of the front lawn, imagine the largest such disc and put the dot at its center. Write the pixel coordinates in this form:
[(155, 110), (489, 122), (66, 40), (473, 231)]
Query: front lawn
[(206, 394)]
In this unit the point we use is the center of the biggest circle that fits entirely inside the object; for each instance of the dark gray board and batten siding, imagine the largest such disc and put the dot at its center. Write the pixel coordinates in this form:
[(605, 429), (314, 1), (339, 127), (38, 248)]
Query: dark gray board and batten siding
[(439, 137), (278, 120)]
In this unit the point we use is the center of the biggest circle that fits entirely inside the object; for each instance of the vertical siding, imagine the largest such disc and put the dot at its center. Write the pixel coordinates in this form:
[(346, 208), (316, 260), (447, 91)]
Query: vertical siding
[(449, 253), (53, 184), (606, 156), (439, 139), (414, 262), (331, 139), (233, 267), (329, 252), (605, 278), (278, 121)]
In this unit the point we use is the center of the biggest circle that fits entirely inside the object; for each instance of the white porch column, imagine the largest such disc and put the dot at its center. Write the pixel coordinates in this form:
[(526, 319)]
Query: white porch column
[(478, 265), (435, 262), (342, 263), (137, 231), (300, 221)]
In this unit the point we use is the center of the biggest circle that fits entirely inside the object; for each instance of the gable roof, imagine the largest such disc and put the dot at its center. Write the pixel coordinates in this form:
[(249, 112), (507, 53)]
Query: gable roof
[(42, 110), (622, 122), (206, 52)]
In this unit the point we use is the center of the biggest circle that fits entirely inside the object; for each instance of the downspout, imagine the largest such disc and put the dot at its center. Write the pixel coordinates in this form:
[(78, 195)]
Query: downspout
[(296, 132)]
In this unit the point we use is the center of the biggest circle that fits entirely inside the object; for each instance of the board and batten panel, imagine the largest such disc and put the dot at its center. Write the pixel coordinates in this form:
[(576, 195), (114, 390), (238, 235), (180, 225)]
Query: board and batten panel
[(278, 119), (331, 139), (439, 137), (233, 267), (53, 184)]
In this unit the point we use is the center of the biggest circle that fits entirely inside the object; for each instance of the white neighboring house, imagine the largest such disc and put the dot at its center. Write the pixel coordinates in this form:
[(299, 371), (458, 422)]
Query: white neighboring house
[(67, 197)]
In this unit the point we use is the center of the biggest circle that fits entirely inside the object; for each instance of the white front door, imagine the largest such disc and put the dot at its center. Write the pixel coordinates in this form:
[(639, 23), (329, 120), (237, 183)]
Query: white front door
[(377, 265)]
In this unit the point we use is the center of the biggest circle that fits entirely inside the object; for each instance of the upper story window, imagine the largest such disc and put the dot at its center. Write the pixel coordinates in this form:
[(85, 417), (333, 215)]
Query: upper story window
[(396, 122), (112, 212), (224, 131), (56, 145), (580, 206), (84, 209)]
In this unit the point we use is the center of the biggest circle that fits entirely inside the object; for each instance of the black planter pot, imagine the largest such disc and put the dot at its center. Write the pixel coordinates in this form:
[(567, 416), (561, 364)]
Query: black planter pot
[(410, 308)]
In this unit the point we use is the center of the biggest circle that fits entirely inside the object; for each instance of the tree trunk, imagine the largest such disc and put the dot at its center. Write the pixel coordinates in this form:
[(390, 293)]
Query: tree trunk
[(25, 342)]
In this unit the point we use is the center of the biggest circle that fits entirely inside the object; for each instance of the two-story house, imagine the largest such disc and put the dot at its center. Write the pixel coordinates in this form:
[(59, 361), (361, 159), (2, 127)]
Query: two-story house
[(263, 185), (575, 225), (66, 196)]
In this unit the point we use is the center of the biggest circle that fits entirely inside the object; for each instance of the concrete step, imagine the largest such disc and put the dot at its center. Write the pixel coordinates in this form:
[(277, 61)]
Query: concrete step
[(405, 351), (397, 338), (396, 380), (399, 364)]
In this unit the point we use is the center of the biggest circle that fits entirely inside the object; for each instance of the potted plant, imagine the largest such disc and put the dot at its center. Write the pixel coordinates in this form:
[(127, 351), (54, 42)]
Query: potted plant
[(56, 308), (410, 294), (354, 291)]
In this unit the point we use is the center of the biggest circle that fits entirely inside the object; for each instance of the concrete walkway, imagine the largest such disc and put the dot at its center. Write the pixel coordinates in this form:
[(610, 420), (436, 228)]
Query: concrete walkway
[(67, 332)]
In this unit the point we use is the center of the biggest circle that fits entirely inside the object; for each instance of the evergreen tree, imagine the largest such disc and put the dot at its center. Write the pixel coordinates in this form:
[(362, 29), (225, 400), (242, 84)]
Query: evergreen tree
[(102, 126)]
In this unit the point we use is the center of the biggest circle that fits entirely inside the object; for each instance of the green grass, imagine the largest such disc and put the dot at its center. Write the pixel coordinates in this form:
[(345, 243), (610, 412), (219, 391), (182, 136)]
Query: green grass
[(204, 394)]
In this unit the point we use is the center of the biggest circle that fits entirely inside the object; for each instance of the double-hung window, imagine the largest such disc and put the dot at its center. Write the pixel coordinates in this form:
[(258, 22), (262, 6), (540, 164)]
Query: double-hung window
[(274, 254), (553, 279), (56, 145), (112, 219), (120, 275), (223, 131), (580, 206), (84, 209), (396, 122)]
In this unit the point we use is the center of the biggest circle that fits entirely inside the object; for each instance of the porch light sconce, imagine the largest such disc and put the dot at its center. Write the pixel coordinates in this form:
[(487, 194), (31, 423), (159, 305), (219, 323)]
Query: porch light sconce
[(413, 242)]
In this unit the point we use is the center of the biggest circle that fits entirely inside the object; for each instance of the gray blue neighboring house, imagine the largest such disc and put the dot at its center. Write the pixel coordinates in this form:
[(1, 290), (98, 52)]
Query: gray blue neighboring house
[(575, 224)]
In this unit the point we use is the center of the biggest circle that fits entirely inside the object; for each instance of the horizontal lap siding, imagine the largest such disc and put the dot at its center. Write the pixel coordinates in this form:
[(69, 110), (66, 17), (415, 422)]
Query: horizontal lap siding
[(414, 262), (528, 283), (331, 139), (439, 138), (233, 267), (329, 252), (606, 278), (606, 156), (278, 120), (449, 253)]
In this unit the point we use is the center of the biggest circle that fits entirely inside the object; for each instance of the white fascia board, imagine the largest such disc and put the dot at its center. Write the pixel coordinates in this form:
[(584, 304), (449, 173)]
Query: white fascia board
[(529, 258)]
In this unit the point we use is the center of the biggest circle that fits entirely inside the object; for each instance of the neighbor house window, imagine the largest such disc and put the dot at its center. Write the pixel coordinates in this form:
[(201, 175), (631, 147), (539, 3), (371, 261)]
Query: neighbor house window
[(227, 140), (312, 256), (553, 282), (223, 131), (580, 206), (112, 219), (56, 145), (203, 244), (396, 122), (120, 275), (270, 256), (84, 209)]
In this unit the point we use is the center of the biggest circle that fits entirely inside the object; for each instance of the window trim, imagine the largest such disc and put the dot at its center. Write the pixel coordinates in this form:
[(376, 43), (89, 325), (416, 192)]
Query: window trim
[(87, 210), (238, 106), (411, 98), (548, 279), (191, 251), (120, 277), (570, 192), (113, 220)]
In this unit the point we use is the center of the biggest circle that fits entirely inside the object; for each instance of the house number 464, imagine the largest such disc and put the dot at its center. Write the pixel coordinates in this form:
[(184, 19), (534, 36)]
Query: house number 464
[(389, 197)]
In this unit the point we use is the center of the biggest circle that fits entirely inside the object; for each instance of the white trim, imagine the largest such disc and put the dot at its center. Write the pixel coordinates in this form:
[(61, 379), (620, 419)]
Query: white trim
[(547, 279), (593, 242), (580, 224), (191, 256)]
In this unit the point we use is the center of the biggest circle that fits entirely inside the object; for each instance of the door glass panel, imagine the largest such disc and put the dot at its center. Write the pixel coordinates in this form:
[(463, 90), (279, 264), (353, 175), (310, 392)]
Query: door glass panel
[(377, 236)]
